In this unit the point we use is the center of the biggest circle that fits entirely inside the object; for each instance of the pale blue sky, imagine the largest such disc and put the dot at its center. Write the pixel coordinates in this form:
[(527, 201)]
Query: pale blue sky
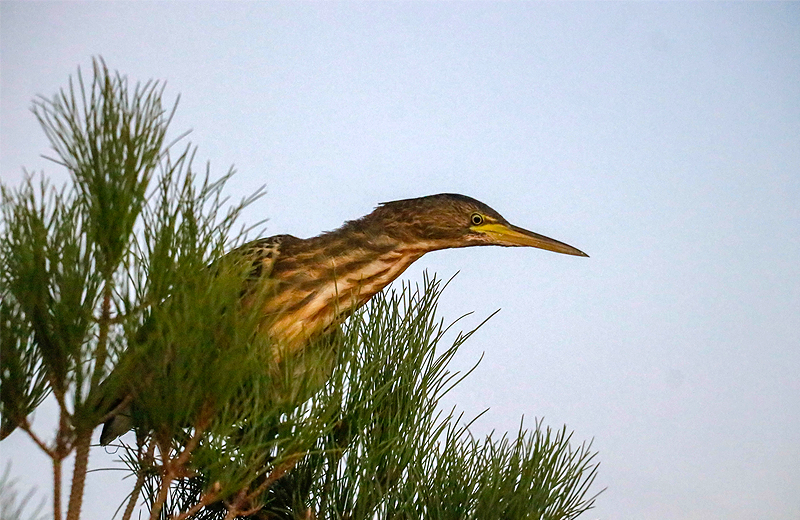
[(662, 139)]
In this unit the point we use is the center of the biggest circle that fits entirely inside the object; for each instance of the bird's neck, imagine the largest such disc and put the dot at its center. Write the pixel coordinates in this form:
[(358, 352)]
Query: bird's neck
[(325, 281)]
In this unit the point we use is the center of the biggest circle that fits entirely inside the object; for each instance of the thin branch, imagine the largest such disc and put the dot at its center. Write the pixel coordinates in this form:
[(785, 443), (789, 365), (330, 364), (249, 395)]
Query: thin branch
[(199, 430), (137, 488), (245, 499), (59, 395), (61, 450), (26, 427), (176, 467), (167, 476), (206, 499), (234, 509), (82, 445), (56, 488)]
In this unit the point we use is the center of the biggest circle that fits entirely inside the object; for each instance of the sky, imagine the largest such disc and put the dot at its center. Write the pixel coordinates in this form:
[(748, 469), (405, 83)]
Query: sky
[(661, 138)]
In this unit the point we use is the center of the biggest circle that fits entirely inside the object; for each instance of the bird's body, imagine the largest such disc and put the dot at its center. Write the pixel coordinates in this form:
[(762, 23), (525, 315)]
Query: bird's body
[(310, 294), (313, 284)]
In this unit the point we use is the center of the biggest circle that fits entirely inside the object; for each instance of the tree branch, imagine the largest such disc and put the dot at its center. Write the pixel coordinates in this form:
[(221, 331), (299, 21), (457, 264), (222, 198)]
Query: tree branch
[(82, 445), (56, 488), (206, 499), (242, 506), (137, 488)]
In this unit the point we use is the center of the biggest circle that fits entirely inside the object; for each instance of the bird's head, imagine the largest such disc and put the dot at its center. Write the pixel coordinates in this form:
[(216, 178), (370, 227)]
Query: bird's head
[(449, 220)]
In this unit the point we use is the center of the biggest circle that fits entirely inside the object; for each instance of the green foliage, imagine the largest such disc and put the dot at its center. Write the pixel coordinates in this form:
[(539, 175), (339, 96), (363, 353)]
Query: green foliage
[(384, 449), (117, 297), (23, 384), (48, 291), (83, 266), (535, 475), (390, 406), (110, 142)]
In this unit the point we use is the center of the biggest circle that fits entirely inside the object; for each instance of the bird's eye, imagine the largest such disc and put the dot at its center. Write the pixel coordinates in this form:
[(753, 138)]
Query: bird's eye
[(477, 219)]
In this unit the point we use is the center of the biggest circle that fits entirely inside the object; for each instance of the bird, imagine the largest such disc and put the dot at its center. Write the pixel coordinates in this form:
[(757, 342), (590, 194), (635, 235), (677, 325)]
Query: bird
[(316, 283)]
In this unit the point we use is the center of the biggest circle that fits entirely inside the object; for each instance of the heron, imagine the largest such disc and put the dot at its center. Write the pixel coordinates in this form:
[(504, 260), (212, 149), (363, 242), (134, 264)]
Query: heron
[(316, 283)]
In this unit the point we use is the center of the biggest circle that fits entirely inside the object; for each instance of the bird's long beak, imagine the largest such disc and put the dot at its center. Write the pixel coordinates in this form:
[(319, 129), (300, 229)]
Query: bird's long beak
[(508, 234)]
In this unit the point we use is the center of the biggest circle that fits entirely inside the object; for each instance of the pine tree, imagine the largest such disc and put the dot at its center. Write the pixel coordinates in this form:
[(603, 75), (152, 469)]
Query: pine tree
[(113, 278)]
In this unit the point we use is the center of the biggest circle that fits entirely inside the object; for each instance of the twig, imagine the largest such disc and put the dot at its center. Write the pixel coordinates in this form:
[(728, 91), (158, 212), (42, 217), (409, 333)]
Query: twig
[(60, 451), (278, 472), (244, 499), (59, 395), (176, 467), (137, 488), (204, 501), (26, 427), (199, 429), (83, 438), (167, 477), (56, 488)]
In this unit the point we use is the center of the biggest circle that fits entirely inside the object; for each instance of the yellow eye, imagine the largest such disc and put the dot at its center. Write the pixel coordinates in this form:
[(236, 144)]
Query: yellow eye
[(476, 219)]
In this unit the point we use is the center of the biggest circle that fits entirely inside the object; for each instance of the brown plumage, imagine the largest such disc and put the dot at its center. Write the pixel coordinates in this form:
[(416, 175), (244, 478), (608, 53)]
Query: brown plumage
[(313, 284), (320, 280)]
